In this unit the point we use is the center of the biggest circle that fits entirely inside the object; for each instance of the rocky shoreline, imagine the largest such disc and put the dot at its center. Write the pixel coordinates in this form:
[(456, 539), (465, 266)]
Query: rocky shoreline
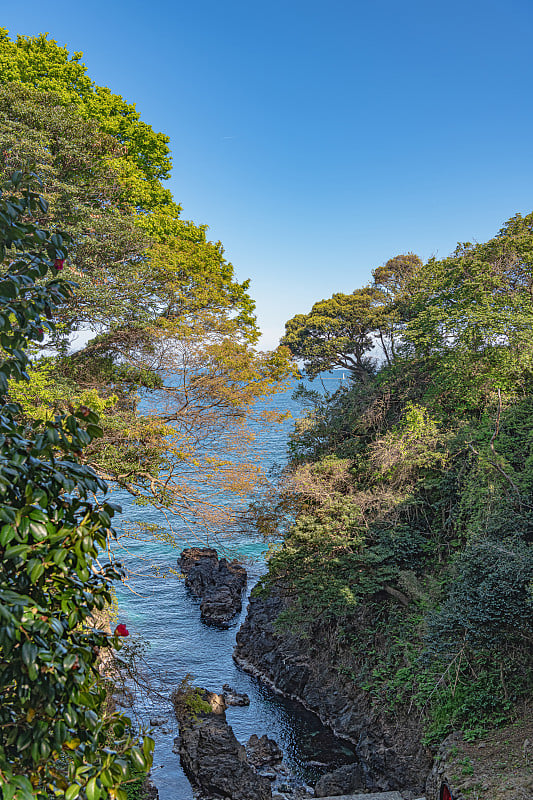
[(390, 758), (389, 749), (217, 765)]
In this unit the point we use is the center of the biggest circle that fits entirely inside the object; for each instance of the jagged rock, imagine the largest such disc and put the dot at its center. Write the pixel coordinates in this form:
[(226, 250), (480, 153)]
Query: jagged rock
[(343, 780), (218, 582), (233, 698), (212, 758), (389, 745), (263, 752)]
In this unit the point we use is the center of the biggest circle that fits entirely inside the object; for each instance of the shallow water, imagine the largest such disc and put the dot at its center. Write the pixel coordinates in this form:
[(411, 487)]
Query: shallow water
[(164, 613)]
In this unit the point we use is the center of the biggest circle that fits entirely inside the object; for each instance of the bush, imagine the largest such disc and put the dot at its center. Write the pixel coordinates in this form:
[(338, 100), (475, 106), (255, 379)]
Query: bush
[(55, 736)]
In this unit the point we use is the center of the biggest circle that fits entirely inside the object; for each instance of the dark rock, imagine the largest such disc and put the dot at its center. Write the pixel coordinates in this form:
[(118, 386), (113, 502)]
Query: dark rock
[(344, 780), (218, 583), (149, 790), (233, 698), (212, 758), (387, 745), (157, 721), (263, 752)]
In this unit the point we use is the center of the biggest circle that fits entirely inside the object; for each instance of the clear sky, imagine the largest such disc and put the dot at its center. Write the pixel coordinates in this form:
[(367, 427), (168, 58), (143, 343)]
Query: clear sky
[(319, 139)]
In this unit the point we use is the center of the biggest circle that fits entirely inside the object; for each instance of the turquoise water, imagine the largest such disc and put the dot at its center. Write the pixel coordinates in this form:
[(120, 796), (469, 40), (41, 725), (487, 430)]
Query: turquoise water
[(158, 609)]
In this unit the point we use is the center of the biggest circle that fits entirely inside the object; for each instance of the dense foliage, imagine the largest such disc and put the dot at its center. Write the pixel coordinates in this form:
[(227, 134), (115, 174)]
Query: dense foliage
[(413, 489), (56, 736)]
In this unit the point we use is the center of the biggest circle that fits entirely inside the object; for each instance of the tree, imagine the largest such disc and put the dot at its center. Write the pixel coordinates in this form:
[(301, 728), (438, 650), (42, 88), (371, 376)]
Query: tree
[(336, 333), (55, 732), (392, 284), (130, 271), (172, 321), (471, 317), (339, 332), (42, 64)]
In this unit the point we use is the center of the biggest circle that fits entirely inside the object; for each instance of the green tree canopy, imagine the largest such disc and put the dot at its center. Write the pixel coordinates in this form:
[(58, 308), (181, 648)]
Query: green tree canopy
[(471, 315), (169, 313), (336, 333), (392, 282), (130, 272), (341, 331), (42, 64)]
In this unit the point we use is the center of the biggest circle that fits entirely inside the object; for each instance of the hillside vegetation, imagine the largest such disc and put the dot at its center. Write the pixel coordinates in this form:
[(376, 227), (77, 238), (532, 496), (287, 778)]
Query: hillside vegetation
[(408, 501)]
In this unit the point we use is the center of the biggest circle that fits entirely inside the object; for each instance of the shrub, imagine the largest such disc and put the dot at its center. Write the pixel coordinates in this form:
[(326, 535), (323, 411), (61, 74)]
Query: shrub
[(55, 737)]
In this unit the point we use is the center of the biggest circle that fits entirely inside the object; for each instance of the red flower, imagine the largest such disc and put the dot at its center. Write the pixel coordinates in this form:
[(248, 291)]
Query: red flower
[(58, 263), (121, 630)]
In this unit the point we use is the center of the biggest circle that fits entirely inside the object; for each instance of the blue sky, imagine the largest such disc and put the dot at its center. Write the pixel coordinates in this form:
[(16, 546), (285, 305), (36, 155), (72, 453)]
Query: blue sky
[(317, 139)]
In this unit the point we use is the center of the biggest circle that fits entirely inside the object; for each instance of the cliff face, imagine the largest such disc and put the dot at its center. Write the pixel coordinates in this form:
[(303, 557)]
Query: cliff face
[(388, 746)]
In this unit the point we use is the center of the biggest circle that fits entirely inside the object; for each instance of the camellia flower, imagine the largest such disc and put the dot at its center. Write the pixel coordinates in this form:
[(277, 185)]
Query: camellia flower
[(58, 263), (121, 630)]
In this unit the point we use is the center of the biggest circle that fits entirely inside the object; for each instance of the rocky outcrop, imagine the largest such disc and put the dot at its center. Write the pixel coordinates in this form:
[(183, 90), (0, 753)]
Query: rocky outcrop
[(263, 752), (342, 781), (388, 746), (266, 757), (149, 790), (212, 758), (217, 582), (233, 698)]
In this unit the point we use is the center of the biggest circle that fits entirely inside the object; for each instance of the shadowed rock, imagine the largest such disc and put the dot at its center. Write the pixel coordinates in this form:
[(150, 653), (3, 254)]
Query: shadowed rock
[(342, 781), (217, 582), (212, 758), (263, 752), (233, 698), (388, 745)]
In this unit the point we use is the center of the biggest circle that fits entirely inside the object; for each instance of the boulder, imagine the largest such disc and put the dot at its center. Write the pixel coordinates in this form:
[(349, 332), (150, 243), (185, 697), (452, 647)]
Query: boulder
[(342, 781), (149, 790), (263, 752), (217, 582), (233, 698)]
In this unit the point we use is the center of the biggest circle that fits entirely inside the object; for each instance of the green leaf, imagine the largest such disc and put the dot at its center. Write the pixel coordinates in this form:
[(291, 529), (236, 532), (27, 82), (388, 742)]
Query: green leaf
[(69, 660), (138, 758), (92, 790), (16, 550), (148, 746), (72, 791), (24, 739), (36, 572), (95, 431), (56, 626), (39, 531), (6, 534), (106, 778), (29, 653)]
